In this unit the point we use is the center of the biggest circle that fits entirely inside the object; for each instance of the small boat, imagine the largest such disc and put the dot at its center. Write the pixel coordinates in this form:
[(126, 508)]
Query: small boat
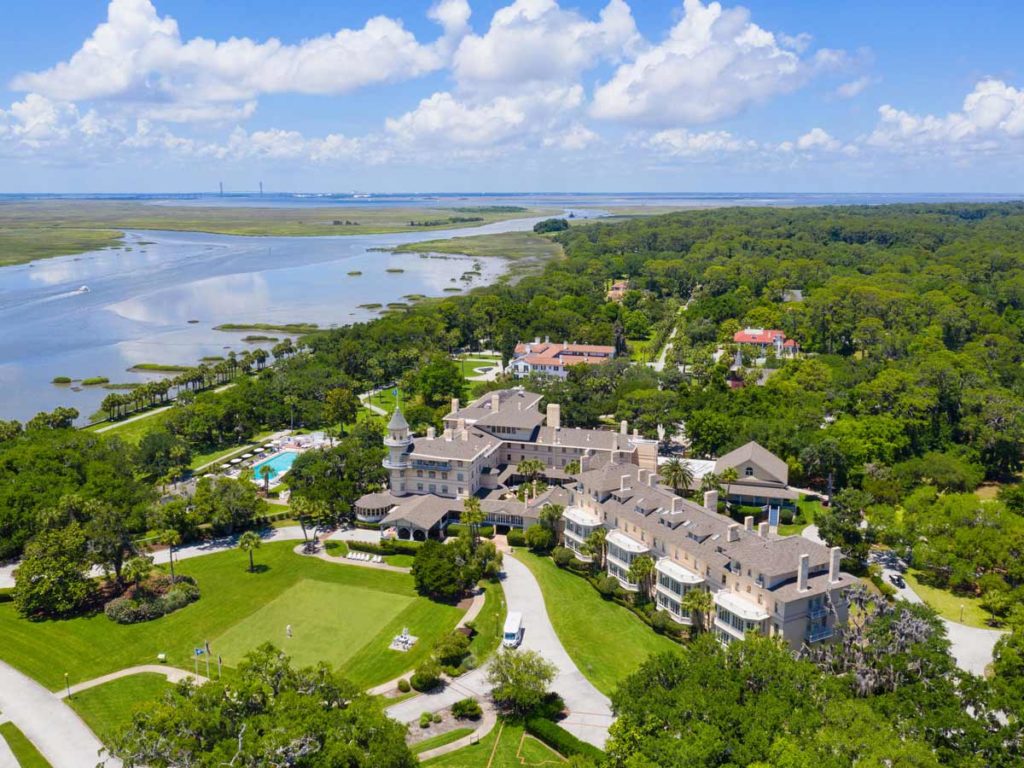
[(83, 289)]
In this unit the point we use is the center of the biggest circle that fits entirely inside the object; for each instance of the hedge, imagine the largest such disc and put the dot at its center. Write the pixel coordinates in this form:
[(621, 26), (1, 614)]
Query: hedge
[(516, 538), (561, 740), (128, 610), (486, 531), (387, 547)]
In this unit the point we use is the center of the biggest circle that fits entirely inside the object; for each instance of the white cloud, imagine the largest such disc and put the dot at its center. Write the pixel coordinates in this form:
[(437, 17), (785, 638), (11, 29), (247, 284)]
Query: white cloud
[(714, 63), (992, 115), (853, 88), (817, 138), (139, 57), (678, 142), (534, 41), (576, 137)]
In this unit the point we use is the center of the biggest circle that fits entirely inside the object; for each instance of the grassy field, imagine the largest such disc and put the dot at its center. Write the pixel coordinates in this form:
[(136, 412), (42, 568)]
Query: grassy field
[(507, 746), (386, 399), (91, 646), (39, 229), (439, 741), (586, 624), (24, 750), (468, 365), (133, 431), (107, 708), (489, 622), (947, 605)]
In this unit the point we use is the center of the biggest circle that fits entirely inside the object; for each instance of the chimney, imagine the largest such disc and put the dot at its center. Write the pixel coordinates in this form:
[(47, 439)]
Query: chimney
[(835, 558), (677, 504), (762, 530), (748, 523), (465, 434), (652, 480), (801, 576), (448, 435), (536, 339), (642, 476), (431, 433), (636, 433), (624, 427), (554, 416), (455, 405), (733, 533), (547, 339), (461, 425), (624, 482), (584, 462), (495, 402), (711, 500)]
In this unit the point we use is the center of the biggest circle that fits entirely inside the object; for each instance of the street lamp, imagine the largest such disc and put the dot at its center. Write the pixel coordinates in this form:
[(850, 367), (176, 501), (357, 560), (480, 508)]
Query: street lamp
[(67, 684), (961, 613)]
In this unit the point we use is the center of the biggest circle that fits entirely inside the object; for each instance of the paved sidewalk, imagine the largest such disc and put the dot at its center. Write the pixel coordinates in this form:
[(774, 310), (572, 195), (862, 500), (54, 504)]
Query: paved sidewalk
[(173, 675), (6, 756), (58, 733), (487, 722)]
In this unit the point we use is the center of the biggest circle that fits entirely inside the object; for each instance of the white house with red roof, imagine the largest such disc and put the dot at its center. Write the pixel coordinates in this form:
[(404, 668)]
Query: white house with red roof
[(554, 359), (767, 338)]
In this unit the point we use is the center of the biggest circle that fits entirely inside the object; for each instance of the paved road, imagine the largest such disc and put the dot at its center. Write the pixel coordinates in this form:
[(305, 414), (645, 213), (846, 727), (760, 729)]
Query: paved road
[(972, 647), (590, 712), (64, 740)]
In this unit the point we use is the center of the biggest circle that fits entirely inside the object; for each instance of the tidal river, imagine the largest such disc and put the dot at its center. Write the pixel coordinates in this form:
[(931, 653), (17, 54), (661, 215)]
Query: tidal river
[(100, 313)]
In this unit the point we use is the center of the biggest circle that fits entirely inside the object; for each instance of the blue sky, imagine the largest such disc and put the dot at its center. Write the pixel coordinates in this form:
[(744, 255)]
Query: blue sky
[(519, 95)]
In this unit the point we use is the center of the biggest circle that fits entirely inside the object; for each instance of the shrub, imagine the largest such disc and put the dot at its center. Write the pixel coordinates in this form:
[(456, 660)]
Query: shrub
[(467, 709), (516, 538), (403, 685), (427, 676), (561, 740), (562, 556), (661, 622), (457, 529), (153, 602), (387, 547), (426, 719), (607, 585), (539, 538), (452, 649)]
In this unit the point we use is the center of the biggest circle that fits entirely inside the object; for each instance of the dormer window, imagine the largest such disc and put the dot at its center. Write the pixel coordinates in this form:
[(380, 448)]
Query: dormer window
[(749, 471)]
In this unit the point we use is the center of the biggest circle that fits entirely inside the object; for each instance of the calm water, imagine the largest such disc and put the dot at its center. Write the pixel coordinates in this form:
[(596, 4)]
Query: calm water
[(141, 298)]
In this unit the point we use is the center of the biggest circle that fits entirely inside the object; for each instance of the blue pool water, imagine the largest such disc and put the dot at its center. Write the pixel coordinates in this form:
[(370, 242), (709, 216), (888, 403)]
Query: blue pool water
[(278, 464)]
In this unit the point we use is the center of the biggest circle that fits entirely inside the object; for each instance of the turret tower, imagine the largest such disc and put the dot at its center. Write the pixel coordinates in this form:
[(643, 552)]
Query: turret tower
[(397, 441)]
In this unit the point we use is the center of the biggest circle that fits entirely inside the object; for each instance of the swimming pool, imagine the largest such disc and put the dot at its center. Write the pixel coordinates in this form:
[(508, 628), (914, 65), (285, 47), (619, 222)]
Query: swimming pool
[(279, 464)]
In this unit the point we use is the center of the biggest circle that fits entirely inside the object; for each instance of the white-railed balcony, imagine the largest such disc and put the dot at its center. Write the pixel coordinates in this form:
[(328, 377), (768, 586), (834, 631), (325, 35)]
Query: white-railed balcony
[(671, 604), (737, 616), (815, 634)]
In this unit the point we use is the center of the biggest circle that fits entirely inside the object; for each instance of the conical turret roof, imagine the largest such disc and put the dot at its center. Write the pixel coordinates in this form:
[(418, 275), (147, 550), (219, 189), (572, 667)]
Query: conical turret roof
[(398, 420)]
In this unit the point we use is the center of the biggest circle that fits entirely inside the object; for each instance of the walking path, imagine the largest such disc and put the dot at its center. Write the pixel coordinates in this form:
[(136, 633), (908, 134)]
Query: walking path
[(590, 712), (173, 675), (57, 732), (971, 647), (487, 722), (6, 756)]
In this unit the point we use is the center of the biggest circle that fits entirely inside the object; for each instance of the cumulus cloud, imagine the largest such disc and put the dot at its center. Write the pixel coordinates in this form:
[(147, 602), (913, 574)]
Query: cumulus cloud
[(678, 142), (138, 56), (534, 41), (714, 63), (991, 116)]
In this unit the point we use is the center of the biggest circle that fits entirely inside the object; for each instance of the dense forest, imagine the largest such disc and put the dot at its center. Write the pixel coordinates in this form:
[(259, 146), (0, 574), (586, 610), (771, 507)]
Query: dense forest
[(908, 396)]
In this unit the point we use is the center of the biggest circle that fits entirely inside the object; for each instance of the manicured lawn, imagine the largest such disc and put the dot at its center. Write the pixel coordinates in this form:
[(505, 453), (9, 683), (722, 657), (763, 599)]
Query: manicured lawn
[(489, 622), (606, 641), (386, 399), (220, 455), (91, 646), (948, 605), (108, 708), (330, 622), (439, 741), (24, 750), (507, 746), (468, 365), (133, 431)]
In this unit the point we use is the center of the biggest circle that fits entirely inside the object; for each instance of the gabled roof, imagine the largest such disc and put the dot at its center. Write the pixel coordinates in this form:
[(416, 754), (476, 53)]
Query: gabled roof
[(757, 454)]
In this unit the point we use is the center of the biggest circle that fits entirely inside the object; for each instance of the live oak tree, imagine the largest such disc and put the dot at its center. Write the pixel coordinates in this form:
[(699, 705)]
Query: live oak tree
[(51, 579), (520, 679), (305, 718)]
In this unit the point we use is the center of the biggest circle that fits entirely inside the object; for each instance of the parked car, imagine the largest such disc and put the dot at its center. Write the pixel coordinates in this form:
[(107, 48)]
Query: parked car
[(898, 581)]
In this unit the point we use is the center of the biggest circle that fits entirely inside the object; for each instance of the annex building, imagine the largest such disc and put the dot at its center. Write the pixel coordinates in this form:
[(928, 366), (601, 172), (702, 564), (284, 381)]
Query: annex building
[(552, 359)]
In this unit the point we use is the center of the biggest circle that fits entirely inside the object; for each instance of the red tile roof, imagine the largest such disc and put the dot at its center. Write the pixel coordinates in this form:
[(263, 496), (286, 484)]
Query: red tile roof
[(757, 336)]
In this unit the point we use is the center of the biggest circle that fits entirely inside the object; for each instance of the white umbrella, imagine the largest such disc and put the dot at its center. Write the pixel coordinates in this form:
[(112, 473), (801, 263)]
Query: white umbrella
[(236, 461), (268, 447), (246, 455), (225, 466)]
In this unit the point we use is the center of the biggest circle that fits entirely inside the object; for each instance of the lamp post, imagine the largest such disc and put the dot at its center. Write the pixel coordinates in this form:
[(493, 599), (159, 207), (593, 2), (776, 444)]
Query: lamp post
[(67, 684), (961, 613)]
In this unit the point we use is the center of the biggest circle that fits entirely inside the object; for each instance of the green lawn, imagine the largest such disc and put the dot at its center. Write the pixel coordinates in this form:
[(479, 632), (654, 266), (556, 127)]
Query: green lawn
[(108, 708), (507, 746), (24, 750), (439, 741), (133, 431), (220, 455), (607, 641), (947, 605), (468, 365), (489, 622), (330, 622), (386, 399), (91, 646)]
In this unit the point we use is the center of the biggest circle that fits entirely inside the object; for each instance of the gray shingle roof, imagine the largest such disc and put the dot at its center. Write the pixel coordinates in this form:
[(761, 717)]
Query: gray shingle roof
[(757, 454), (398, 420)]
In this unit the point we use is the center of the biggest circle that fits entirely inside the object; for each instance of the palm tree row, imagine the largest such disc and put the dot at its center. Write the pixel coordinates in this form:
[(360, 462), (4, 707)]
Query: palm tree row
[(195, 379)]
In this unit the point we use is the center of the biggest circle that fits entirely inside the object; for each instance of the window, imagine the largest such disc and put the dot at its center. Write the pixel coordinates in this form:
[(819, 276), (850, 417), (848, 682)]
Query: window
[(419, 486), (459, 475), (749, 471), (419, 473)]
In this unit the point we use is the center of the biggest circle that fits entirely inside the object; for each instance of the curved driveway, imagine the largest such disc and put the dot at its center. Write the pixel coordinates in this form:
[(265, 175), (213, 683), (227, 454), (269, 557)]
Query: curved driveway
[(590, 712)]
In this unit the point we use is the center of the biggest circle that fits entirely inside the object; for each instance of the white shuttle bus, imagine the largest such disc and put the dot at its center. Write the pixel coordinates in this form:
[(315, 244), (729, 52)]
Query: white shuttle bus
[(513, 633)]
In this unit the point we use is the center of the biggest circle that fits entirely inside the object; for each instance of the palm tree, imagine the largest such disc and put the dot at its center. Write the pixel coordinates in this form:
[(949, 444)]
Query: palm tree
[(710, 482), (641, 569), (171, 538), (137, 569), (473, 516), (530, 468), (250, 542), (573, 467), (291, 401), (678, 474), (595, 547), (698, 603), (265, 473)]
